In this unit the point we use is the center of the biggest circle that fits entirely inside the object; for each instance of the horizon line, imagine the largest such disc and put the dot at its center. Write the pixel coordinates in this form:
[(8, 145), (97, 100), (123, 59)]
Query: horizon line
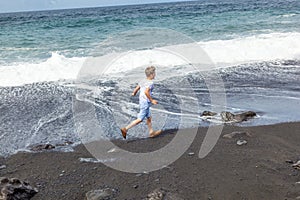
[(104, 6)]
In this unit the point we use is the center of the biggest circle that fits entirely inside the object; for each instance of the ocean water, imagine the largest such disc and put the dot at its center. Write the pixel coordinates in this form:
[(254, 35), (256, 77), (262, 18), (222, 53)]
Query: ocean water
[(254, 46)]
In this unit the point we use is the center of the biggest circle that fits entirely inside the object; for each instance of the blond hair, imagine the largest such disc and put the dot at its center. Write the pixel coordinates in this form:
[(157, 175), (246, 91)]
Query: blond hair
[(149, 71)]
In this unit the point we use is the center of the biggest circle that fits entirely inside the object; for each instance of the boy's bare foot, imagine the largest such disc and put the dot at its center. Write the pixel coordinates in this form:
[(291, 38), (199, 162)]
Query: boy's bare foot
[(124, 132), (155, 133)]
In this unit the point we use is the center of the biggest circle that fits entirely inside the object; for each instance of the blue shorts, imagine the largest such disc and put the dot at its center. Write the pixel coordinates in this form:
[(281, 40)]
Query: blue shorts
[(144, 112)]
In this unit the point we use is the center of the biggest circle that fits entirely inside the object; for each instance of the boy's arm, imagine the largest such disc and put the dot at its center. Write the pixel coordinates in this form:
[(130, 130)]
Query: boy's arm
[(147, 93), (137, 88)]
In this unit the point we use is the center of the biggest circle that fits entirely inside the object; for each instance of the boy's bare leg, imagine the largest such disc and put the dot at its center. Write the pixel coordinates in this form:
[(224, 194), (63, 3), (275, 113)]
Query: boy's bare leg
[(149, 123), (151, 132), (132, 124)]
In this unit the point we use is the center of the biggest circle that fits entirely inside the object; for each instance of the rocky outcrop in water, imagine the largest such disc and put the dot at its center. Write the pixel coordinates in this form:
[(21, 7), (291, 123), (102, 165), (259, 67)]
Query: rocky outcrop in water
[(41, 147), (228, 116), (14, 189), (208, 113)]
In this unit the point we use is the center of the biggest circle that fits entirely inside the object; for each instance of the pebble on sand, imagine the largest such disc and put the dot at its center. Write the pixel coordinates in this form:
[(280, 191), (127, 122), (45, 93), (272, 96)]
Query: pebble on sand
[(241, 142), (101, 194)]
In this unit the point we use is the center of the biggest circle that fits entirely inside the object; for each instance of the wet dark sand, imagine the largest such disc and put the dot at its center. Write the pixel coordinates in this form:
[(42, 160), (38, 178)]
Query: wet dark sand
[(257, 170)]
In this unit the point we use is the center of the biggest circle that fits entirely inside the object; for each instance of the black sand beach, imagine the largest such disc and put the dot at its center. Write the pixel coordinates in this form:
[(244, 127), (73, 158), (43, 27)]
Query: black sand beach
[(257, 170)]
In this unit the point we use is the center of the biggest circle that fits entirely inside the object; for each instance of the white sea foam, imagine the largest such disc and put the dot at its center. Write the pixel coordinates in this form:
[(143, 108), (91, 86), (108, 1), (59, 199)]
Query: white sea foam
[(288, 15), (94, 160), (262, 47), (55, 68)]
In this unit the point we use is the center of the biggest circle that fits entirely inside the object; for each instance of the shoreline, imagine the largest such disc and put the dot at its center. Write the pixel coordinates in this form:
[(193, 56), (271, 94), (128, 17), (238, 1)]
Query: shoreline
[(257, 170), (69, 147)]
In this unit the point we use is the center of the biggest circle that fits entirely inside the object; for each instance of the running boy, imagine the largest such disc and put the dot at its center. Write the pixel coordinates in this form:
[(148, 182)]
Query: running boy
[(145, 101)]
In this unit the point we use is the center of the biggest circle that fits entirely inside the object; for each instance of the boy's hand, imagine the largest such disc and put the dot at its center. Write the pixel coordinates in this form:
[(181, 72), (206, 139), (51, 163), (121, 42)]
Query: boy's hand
[(154, 102), (133, 94)]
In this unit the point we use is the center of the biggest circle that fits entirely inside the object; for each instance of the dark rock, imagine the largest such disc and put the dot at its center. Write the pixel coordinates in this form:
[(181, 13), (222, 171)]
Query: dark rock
[(230, 117), (66, 143), (14, 189), (237, 134), (244, 116), (4, 180), (208, 113), (42, 147), (289, 161), (297, 165), (227, 116), (135, 186)]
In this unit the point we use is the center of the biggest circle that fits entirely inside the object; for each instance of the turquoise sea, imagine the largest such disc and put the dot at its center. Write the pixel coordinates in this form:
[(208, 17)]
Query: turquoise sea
[(255, 45), (33, 36)]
